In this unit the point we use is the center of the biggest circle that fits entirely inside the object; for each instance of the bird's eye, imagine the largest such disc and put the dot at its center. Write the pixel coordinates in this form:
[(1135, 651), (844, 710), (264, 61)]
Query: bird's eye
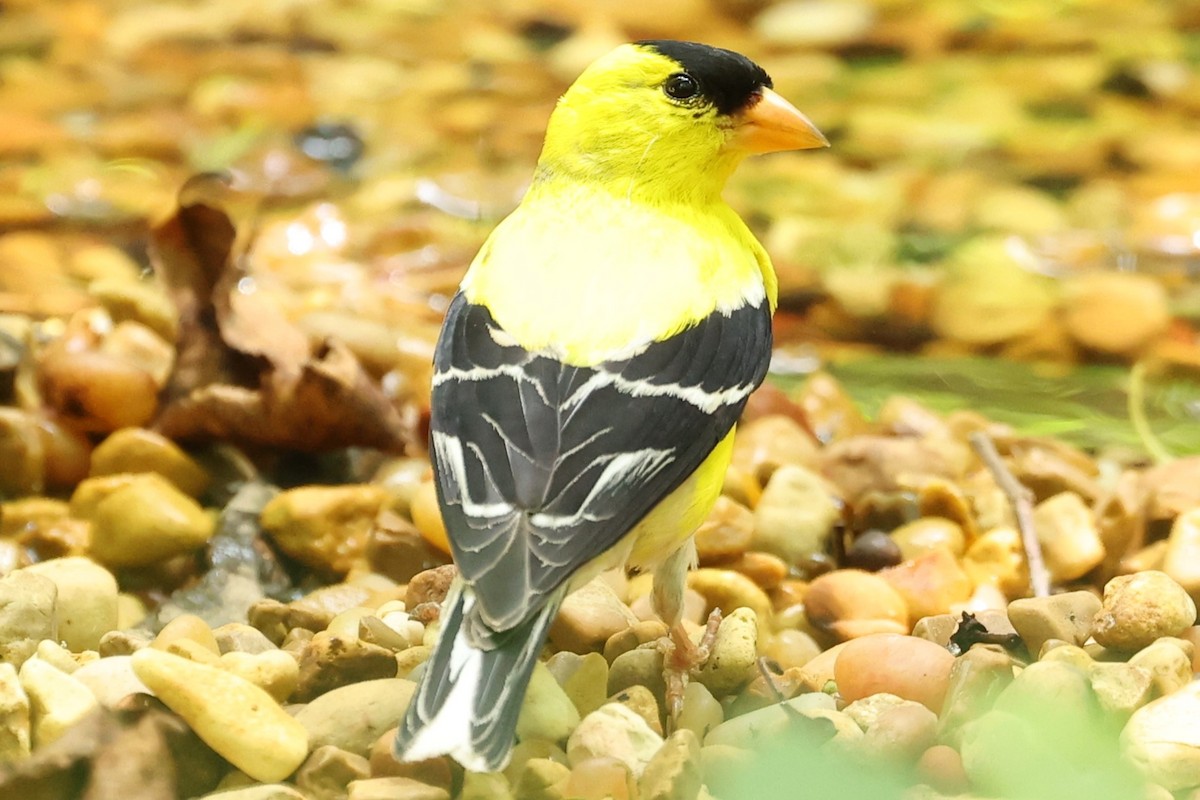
[(681, 86)]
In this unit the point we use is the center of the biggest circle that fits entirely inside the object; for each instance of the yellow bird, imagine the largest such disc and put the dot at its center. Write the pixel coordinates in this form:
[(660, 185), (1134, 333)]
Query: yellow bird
[(591, 370)]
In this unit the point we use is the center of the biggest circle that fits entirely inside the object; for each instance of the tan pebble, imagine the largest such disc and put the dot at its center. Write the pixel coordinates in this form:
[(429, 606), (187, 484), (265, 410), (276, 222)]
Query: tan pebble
[(726, 533), (15, 728), (1182, 558), (324, 527), (930, 584), (767, 443), (430, 586), (642, 702), (790, 648), (1169, 665), (818, 673), (1192, 636), (328, 661), (409, 659), (140, 450), (997, 557), (732, 661), (546, 712), (1152, 556), (788, 594), (1138, 609), (234, 717), (23, 453), (267, 791), (762, 726), (1058, 650), (328, 771), (1066, 616), (531, 750), (97, 392), (61, 658), (588, 617), (1121, 689), (1048, 691), (941, 767), (848, 603), (146, 521), (346, 625), (189, 627), (110, 679), (131, 611), (432, 771), (927, 534), (241, 638), (1066, 529), (57, 701), (542, 779), (601, 779), (674, 771), (977, 677), (1115, 312), (613, 730), (700, 712), (765, 569), (428, 517), (186, 648), (485, 786), (583, 678), (727, 590), (794, 519), (318, 608), (640, 667), (394, 788), (1162, 739), (273, 671), (123, 643), (906, 666), (86, 606), (900, 733), (353, 717)]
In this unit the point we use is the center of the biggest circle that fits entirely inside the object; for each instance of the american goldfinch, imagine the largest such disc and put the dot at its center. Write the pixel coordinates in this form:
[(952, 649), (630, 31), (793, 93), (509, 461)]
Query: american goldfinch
[(591, 370)]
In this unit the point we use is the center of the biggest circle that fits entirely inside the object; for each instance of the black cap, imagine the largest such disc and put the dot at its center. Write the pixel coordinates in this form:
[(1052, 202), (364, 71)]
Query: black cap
[(729, 80)]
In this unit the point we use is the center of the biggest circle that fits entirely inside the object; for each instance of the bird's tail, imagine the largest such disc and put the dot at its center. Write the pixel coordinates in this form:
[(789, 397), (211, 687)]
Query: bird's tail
[(469, 698)]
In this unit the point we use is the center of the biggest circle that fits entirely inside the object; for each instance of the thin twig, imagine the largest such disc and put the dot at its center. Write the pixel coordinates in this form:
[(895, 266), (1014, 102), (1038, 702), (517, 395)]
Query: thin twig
[(1021, 500)]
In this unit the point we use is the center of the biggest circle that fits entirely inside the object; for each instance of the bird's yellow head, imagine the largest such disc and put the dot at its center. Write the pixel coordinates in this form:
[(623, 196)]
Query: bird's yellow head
[(668, 121)]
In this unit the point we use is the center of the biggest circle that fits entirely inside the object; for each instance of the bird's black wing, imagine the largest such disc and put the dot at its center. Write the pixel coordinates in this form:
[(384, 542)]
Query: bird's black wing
[(542, 466)]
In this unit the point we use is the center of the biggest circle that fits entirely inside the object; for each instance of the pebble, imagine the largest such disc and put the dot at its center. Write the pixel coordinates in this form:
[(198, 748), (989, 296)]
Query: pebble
[(15, 728), (814, 23), (941, 767), (732, 661), (1066, 529), (234, 717), (394, 788), (872, 551), (26, 614), (353, 717), (1067, 616), (906, 666), (1139, 608), (428, 517), (638, 634), (930, 584), (849, 603), (262, 791), (324, 527), (766, 724), (640, 667), (584, 679), (700, 712), (327, 772), (899, 733), (601, 779), (1118, 313), (941, 627), (485, 786), (430, 586), (1169, 665), (131, 450), (726, 589), (997, 558), (241, 638), (1182, 559), (187, 628), (588, 617), (929, 533), (543, 779), (328, 661), (727, 531), (57, 701), (790, 648), (145, 521), (273, 671), (795, 516), (1163, 740), (546, 712), (616, 731), (1121, 688), (1050, 693), (531, 750), (673, 773), (642, 702), (110, 679), (818, 673)]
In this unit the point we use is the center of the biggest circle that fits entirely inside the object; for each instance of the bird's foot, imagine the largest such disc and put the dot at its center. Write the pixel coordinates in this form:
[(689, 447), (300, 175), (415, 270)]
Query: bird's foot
[(681, 657)]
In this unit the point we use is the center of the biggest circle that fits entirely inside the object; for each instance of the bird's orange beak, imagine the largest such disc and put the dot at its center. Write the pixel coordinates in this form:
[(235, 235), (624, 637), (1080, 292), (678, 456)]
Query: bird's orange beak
[(773, 124)]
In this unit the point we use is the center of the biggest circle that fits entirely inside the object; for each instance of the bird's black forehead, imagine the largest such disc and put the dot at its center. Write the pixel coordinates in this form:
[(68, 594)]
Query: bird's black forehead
[(728, 79)]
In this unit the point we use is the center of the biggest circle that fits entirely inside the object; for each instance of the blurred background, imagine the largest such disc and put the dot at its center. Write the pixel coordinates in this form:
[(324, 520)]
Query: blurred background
[(1008, 218)]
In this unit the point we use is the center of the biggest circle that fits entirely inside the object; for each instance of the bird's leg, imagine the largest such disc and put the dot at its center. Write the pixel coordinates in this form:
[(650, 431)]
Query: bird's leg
[(680, 654)]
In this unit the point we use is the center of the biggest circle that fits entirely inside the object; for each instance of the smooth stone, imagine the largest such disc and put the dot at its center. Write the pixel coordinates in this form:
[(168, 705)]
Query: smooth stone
[(734, 656), (1066, 616), (997, 558), (640, 667), (262, 791), (241, 638), (543, 779), (906, 666), (187, 628), (818, 674), (927, 534), (61, 658), (145, 521), (849, 603), (485, 786), (237, 719), (1163, 740), (1182, 558), (899, 733), (26, 615), (131, 450), (546, 712), (767, 724), (1120, 688), (531, 750), (353, 717), (1115, 312), (583, 678), (941, 767), (324, 527), (700, 712), (616, 731), (642, 702), (727, 532), (1050, 692), (1066, 529), (110, 679), (1140, 608), (766, 443), (86, 607), (940, 628), (673, 773), (930, 584), (601, 778), (642, 632), (15, 728), (977, 678), (394, 788), (790, 648), (588, 617), (273, 671), (1169, 665), (57, 701), (795, 516), (726, 589), (328, 661)]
